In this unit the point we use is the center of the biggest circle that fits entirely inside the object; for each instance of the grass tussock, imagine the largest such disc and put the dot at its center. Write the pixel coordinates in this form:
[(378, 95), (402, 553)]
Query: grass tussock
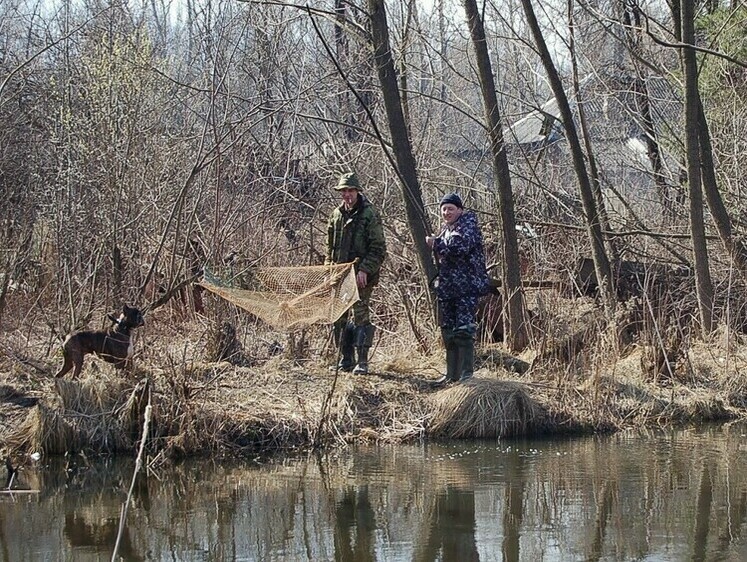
[(388, 409), (483, 408), (92, 395), (95, 414), (44, 429), (223, 432)]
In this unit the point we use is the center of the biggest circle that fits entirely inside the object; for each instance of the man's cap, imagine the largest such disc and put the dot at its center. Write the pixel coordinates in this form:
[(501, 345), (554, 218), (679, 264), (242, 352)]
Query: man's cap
[(348, 180), (452, 198)]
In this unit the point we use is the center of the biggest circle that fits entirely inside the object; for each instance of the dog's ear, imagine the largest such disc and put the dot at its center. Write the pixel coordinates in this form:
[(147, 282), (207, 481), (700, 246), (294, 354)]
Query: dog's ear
[(126, 309)]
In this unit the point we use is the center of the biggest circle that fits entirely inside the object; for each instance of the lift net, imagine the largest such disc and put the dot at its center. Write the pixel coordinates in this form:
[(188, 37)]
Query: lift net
[(293, 297)]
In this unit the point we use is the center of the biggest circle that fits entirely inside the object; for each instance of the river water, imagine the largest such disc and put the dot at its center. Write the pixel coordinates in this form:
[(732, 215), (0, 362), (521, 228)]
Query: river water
[(676, 494)]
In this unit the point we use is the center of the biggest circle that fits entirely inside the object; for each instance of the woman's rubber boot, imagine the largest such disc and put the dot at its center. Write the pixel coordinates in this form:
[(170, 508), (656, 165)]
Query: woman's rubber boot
[(363, 340), (452, 359), (465, 340), (467, 356)]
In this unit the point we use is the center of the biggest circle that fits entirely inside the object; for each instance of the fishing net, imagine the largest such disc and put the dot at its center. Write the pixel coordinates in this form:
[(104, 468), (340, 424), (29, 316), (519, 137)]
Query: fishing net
[(292, 297)]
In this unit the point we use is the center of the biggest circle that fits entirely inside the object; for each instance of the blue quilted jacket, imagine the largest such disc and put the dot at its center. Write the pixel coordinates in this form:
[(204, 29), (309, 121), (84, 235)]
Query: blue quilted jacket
[(460, 254)]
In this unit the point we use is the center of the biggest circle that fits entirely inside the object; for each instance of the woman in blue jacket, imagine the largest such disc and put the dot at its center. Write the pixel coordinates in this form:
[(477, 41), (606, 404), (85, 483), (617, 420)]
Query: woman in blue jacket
[(462, 280)]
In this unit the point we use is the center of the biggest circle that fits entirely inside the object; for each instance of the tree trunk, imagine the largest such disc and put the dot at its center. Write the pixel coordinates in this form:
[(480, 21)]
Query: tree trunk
[(652, 149), (703, 284), (634, 33), (406, 38), (515, 330), (405, 160), (593, 225), (596, 184), (342, 50), (720, 215)]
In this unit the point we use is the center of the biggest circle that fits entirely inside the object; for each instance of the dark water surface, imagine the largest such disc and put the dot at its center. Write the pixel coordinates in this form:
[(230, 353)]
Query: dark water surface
[(662, 495)]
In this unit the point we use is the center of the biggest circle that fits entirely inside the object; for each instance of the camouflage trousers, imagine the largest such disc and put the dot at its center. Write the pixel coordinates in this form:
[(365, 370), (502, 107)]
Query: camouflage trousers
[(360, 311), (457, 312)]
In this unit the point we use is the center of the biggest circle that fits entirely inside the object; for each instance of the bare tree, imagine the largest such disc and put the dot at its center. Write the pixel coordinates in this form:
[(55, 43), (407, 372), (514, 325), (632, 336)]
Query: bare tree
[(633, 36), (703, 283), (403, 154), (515, 329), (591, 210), (596, 186)]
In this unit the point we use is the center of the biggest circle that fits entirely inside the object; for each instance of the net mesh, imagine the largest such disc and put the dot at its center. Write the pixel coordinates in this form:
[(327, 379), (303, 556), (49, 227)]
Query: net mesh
[(292, 297)]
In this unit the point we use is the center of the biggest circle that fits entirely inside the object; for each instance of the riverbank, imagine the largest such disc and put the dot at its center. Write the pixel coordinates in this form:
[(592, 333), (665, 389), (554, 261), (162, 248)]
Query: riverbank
[(284, 401)]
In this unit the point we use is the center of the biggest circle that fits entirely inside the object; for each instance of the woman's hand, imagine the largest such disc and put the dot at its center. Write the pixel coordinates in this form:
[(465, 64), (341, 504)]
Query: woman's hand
[(430, 240)]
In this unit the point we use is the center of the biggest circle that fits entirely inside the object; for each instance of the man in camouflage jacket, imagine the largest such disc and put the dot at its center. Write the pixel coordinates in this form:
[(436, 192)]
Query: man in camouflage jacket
[(462, 280), (355, 233)]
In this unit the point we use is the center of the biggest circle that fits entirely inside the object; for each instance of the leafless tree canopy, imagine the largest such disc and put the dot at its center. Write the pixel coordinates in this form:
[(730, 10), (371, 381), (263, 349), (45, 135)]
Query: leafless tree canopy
[(143, 141)]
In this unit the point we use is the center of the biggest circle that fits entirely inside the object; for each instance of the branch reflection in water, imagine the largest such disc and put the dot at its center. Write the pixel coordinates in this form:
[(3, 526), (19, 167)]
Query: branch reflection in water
[(674, 495)]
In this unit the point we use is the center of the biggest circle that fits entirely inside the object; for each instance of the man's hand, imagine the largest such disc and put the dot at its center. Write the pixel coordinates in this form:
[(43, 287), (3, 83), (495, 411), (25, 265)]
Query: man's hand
[(362, 279)]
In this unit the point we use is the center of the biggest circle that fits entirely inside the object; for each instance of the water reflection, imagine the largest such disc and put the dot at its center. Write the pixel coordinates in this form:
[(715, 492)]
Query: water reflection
[(451, 528), (84, 535), (355, 526), (669, 495)]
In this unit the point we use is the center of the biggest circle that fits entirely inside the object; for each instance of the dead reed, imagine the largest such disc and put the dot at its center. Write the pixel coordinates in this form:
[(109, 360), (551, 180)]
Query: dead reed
[(91, 414), (483, 408), (571, 380), (372, 409), (44, 429)]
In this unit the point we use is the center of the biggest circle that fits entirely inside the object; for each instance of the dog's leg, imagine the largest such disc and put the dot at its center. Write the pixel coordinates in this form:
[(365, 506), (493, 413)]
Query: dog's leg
[(78, 361), (66, 366), (126, 364), (74, 359)]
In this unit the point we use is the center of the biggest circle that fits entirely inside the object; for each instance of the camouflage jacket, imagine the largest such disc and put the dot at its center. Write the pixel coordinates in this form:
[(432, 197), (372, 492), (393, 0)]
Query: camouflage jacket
[(461, 259), (357, 233)]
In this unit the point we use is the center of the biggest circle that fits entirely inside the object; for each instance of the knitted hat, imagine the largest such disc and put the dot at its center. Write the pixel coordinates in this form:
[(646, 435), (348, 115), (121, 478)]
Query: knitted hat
[(452, 198), (348, 180)]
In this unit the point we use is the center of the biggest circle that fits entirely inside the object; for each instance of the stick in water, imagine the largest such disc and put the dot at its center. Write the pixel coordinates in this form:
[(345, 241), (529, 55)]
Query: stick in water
[(138, 465)]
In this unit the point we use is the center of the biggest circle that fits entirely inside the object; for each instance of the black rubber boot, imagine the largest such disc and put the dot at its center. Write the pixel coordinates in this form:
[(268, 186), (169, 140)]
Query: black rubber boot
[(363, 340), (464, 337), (452, 359), (467, 360), (344, 335)]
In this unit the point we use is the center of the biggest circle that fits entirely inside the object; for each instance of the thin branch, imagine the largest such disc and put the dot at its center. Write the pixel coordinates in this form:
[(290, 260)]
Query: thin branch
[(36, 55), (138, 466)]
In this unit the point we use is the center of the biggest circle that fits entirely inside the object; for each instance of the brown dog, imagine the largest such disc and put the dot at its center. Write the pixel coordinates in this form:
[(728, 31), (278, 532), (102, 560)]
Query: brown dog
[(113, 345)]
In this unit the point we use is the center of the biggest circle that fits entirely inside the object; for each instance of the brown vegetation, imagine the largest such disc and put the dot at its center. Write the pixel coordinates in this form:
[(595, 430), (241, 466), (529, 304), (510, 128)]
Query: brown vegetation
[(151, 155), (267, 403)]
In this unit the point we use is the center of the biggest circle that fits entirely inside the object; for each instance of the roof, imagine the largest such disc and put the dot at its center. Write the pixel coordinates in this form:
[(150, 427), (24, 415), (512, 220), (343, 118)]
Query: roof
[(614, 106)]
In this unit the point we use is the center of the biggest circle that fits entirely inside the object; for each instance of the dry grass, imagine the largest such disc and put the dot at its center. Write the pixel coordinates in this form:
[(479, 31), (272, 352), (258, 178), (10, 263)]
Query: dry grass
[(95, 410), (275, 402), (484, 408), (42, 430)]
